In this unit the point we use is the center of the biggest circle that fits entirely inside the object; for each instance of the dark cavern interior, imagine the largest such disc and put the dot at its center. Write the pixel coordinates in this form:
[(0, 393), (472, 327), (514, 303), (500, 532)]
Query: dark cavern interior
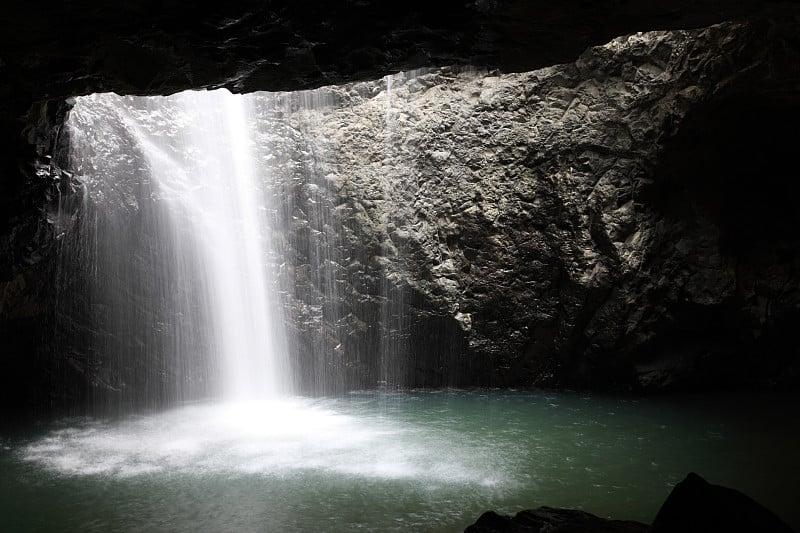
[(482, 265)]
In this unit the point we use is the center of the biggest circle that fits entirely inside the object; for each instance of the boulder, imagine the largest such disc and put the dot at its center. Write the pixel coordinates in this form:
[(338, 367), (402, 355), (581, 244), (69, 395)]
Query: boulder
[(550, 520), (695, 506)]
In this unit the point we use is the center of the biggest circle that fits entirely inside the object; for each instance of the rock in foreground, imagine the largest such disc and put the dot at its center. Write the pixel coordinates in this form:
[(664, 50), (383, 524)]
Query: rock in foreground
[(697, 505), (552, 521), (693, 506)]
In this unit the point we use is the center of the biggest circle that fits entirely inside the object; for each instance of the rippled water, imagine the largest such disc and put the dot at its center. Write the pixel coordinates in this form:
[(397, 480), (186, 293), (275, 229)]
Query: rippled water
[(380, 462)]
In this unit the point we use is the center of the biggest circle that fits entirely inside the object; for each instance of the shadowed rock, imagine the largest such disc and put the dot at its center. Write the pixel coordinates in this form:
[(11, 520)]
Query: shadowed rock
[(550, 520), (694, 505), (698, 506)]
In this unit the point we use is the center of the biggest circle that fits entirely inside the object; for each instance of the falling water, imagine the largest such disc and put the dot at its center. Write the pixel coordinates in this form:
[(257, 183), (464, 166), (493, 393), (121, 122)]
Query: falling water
[(179, 245), (197, 158), (229, 220), (220, 241), (192, 224)]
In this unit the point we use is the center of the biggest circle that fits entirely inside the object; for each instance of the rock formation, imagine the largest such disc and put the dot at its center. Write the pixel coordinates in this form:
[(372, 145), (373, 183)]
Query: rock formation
[(622, 220), (694, 505), (549, 520), (580, 225)]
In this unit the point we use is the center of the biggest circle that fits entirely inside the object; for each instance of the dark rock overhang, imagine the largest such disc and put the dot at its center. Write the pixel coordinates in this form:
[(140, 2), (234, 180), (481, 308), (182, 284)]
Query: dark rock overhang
[(151, 47), (69, 48), (52, 50)]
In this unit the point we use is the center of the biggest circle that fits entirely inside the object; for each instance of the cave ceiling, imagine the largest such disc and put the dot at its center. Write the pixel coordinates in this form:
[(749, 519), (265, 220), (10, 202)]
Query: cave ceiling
[(50, 50), (160, 47)]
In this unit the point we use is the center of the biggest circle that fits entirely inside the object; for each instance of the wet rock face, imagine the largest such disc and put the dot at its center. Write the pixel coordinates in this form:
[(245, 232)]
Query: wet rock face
[(581, 225), (621, 220)]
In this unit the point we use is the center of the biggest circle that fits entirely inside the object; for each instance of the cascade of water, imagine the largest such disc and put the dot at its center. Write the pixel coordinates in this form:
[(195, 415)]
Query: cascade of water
[(202, 261), (228, 215), (304, 154), (390, 348), (213, 214), (394, 351)]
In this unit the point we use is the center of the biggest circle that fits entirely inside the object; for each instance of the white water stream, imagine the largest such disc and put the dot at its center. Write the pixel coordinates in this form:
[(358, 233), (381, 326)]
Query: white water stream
[(181, 243), (228, 219), (203, 172)]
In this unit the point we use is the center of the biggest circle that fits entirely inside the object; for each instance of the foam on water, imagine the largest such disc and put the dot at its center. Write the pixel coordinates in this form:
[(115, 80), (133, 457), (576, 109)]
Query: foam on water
[(269, 437)]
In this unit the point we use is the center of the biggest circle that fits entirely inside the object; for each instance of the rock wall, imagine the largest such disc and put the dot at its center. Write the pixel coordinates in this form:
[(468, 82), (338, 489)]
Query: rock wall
[(583, 225), (620, 221)]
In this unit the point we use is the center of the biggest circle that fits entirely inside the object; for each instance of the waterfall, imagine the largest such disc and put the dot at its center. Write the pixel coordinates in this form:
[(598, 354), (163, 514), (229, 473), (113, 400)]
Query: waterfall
[(190, 236), (221, 236)]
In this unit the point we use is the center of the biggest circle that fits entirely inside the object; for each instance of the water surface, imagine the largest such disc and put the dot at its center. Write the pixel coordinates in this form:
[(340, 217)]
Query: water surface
[(419, 461)]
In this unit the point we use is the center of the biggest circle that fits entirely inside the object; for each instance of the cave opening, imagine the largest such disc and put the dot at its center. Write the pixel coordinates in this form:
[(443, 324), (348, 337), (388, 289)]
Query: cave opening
[(423, 232)]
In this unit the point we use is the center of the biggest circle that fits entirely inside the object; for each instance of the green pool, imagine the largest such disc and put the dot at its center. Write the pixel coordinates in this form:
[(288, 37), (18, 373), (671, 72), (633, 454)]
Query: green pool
[(417, 461)]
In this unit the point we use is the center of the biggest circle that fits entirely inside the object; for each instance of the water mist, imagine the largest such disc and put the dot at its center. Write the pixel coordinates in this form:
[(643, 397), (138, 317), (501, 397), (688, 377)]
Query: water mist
[(210, 244)]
